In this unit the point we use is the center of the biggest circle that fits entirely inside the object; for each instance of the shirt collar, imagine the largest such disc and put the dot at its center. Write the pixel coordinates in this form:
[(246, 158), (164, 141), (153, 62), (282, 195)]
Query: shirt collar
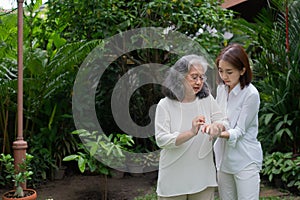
[(235, 90)]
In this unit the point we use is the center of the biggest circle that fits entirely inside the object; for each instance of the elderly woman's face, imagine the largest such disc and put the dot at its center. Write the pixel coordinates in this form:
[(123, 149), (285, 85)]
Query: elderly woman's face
[(195, 79)]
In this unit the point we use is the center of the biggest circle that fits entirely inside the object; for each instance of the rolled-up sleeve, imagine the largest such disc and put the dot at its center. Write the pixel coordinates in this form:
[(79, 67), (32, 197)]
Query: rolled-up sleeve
[(164, 137), (234, 134)]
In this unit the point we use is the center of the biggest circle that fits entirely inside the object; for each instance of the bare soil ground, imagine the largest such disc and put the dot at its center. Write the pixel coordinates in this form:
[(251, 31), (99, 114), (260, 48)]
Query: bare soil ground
[(92, 187), (79, 187)]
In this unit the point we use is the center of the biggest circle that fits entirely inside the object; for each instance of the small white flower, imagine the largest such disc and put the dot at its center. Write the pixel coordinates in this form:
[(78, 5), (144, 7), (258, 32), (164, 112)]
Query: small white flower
[(199, 32), (212, 31), (166, 30), (227, 35)]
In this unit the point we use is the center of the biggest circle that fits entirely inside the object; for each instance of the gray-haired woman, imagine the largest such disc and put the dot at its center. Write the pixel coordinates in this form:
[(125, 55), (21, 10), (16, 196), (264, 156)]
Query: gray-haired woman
[(186, 167)]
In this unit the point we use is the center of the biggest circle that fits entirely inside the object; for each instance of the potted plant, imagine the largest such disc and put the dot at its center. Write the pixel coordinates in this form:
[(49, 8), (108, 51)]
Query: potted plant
[(18, 177)]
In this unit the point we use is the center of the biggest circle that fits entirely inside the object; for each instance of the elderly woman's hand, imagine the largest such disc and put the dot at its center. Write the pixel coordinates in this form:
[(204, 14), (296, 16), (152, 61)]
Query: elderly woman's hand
[(196, 123)]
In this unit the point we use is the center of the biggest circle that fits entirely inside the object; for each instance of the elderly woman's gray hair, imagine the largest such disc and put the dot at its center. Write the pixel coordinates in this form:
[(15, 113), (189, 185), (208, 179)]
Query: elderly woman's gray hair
[(173, 84)]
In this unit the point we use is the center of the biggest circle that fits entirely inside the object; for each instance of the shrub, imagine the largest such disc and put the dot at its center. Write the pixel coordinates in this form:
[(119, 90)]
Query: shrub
[(284, 166)]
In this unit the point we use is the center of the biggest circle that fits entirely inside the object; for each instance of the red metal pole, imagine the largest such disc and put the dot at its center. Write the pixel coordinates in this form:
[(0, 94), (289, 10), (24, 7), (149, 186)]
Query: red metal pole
[(287, 27), (20, 146)]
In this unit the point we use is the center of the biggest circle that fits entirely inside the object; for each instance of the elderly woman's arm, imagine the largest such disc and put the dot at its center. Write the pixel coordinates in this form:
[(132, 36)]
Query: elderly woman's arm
[(163, 135), (185, 136)]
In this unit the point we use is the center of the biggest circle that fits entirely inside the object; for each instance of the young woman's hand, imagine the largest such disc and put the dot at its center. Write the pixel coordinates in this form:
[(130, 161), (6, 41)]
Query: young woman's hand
[(214, 130)]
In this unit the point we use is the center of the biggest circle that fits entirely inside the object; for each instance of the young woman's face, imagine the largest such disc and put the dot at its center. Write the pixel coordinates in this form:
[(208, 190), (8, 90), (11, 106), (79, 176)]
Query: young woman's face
[(229, 74), (195, 80)]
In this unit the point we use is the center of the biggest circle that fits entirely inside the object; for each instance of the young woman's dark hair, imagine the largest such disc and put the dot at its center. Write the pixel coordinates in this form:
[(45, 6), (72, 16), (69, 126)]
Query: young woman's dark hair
[(237, 56)]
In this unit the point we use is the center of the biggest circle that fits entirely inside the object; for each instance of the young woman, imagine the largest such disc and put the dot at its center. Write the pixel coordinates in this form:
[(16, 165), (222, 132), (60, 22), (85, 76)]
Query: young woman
[(238, 153), (186, 167)]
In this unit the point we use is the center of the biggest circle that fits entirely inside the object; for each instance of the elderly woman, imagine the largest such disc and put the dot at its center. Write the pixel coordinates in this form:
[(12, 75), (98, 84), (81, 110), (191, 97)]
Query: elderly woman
[(186, 167)]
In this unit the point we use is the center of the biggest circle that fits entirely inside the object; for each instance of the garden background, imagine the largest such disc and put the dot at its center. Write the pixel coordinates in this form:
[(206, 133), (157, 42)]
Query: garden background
[(59, 35)]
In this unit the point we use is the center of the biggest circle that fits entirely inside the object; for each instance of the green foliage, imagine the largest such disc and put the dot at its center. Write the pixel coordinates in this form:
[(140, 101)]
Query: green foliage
[(7, 167), (44, 162), (280, 94), (49, 73), (284, 166), (58, 39), (99, 147), (203, 20), (275, 52), (8, 33), (20, 175), (8, 75)]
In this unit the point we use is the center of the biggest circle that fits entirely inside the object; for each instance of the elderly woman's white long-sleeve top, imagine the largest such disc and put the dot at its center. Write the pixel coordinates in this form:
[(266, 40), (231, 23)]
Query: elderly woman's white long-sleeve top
[(242, 148), (187, 168)]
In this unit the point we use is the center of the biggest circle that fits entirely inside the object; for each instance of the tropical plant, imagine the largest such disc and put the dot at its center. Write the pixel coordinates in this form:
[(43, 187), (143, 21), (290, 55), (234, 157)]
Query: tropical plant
[(48, 79), (280, 93), (97, 147), (8, 75), (283, 166), (275, 52), (98, 153)]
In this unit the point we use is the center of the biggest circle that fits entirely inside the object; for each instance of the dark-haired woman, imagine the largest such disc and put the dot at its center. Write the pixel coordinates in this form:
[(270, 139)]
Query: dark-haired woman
[(238, 153), (186, 167)]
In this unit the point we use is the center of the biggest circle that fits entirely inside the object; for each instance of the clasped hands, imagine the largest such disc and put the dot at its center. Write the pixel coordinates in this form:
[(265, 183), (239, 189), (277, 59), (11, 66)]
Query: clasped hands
[(213, 130)]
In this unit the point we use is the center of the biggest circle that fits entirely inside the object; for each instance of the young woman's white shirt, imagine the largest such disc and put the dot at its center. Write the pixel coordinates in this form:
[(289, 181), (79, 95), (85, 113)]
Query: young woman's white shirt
[(189, 167), (242, 148)]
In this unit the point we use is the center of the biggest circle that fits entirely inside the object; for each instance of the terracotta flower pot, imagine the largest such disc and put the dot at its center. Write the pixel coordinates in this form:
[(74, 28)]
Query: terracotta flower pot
[(30, 194)]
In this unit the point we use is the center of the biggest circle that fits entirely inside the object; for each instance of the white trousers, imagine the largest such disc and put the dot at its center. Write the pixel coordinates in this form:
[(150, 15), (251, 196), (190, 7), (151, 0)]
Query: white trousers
[(241, 186)]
